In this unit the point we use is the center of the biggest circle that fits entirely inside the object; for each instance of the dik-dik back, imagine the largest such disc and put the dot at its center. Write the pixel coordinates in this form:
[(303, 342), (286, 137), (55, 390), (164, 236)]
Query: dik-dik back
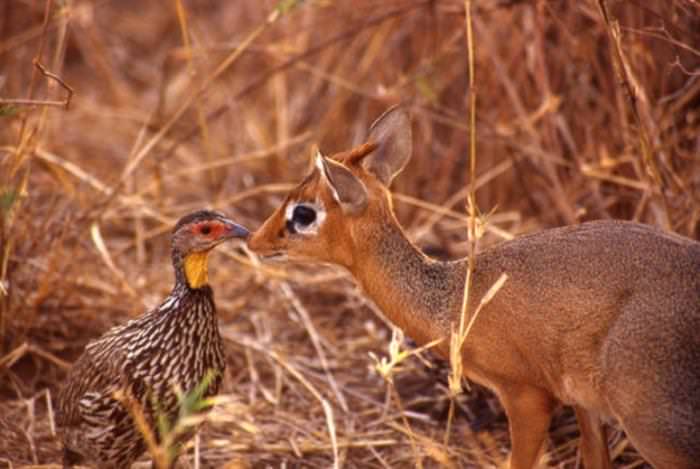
[(603, 316)]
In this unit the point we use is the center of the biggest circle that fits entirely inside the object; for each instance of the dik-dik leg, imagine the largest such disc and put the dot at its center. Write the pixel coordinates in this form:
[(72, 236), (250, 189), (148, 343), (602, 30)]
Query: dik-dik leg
[(593, 446), (529, 411)]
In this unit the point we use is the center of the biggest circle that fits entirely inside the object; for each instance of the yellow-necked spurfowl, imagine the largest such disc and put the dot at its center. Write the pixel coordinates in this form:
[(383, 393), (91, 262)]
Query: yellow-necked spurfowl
[(175, 347)]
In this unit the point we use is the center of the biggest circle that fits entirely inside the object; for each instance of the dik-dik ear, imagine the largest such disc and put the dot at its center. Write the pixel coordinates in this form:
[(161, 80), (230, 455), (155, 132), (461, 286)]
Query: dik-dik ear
[(392, 133), (346, 188)]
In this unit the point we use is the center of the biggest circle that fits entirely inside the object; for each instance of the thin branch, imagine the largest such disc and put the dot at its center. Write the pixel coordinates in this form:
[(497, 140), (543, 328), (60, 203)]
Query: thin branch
[(41, 102)]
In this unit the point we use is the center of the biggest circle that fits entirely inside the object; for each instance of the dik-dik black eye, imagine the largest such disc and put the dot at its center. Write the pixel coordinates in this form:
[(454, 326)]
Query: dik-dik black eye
[(303, 216)]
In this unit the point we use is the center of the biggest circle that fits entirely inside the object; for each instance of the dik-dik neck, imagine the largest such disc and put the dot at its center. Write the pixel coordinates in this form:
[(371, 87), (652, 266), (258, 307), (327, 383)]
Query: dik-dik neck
[(418, 294)]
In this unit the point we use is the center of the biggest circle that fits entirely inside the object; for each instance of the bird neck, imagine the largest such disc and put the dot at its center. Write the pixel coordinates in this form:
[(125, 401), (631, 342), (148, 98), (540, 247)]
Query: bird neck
[(191, 269)]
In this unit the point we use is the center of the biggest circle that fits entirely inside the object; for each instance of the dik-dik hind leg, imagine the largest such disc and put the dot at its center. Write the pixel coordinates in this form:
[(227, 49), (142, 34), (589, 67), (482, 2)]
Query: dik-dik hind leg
[(593, 445), (529, 412), (662, 450)]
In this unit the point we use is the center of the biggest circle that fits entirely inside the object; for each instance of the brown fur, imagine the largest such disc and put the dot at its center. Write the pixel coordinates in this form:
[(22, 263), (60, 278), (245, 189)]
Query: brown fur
[(355, 155), (604, 316)]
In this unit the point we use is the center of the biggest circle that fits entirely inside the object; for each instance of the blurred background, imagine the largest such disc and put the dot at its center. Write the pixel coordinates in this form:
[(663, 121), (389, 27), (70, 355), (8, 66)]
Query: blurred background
[(183, 104)]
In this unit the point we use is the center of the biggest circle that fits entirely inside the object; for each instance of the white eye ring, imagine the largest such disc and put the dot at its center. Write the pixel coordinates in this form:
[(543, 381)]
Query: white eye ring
[(298, 228)]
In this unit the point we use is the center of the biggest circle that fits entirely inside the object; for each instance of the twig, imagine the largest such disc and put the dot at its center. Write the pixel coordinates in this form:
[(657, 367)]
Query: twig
[(158, 453), (317, 49), (313, 334), (327, 409), (411, 436), (458, 337), (189, 100), (37, 57), (623, 70), (38, 102), (49, 407)]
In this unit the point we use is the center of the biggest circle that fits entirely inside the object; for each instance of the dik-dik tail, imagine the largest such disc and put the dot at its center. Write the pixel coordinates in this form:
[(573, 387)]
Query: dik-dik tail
[(603, 316)]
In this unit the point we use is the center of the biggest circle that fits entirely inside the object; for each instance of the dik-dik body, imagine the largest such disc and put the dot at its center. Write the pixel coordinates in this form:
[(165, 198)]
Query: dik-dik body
[(603, 316)]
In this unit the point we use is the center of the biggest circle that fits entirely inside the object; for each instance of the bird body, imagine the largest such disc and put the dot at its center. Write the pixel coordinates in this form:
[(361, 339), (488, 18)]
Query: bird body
[(148, 364)]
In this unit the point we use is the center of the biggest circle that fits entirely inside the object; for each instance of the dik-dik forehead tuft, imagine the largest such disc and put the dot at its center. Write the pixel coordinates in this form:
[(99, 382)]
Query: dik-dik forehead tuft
[(315, 188), (352, 158)]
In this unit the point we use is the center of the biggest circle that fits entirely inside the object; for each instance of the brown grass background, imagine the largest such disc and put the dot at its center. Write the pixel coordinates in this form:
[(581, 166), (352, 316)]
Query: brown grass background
[(203, 103)]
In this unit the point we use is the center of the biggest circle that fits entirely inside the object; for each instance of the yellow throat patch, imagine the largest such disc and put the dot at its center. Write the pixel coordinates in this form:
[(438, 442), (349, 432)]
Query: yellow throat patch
[(196, 269)]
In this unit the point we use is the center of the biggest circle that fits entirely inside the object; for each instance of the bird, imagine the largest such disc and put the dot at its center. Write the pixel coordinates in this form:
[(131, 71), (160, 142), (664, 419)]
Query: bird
[(143, 367)]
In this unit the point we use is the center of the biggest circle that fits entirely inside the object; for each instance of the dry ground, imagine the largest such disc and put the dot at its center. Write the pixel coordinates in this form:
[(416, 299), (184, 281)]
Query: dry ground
[(179, 105)]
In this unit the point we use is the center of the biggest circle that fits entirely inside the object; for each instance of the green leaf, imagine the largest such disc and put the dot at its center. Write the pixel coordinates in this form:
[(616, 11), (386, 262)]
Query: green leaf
[(194, 401), (7, 199), (8, 110), (162, 421), (425, 89), (285, 6)]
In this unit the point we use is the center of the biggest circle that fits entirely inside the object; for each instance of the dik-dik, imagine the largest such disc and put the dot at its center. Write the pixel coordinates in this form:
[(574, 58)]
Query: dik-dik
[(602, 316)]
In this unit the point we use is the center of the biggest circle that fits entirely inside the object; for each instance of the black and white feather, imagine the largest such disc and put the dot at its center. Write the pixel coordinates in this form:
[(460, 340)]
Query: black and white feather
[(172, 348)]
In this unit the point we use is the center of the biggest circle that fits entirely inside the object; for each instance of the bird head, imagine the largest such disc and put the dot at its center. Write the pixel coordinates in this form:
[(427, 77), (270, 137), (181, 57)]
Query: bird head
[(195, 235)]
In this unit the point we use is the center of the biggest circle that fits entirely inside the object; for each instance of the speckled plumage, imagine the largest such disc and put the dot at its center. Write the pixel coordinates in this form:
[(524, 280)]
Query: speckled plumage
[(173, 347)]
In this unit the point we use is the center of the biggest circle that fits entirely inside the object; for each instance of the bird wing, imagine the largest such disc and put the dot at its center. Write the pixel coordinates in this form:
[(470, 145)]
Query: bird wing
[(92, 384)]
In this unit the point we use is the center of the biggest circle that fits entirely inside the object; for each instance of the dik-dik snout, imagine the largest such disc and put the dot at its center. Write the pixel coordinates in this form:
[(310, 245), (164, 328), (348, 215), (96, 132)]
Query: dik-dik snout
[(300, 228), (603, 316)]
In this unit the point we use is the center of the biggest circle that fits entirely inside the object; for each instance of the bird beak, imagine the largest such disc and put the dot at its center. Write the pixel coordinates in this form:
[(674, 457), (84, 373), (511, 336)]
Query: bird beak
[(234, 230)]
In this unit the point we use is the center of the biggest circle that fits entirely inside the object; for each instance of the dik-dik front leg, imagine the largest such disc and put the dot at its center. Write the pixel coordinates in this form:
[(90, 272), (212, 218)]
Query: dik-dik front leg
[(529, 411), (594, 443)]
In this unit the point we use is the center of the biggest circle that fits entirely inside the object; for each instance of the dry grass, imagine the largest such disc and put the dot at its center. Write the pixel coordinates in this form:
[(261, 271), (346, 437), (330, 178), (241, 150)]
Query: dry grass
[(184, 104)]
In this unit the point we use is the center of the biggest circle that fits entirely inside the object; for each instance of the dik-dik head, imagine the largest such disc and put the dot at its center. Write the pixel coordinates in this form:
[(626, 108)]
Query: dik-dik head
[(343, 202)]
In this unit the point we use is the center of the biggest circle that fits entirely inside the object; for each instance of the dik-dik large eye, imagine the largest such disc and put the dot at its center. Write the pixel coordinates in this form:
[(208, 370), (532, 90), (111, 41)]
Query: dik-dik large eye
[(304, 218), (303, 215)]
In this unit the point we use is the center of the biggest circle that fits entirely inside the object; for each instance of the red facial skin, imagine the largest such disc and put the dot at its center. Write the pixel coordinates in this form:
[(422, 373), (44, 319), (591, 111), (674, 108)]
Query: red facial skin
[(211, 230)]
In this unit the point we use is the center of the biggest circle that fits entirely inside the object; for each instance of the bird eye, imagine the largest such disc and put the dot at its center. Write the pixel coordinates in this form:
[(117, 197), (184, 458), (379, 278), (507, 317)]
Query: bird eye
[(303, 216), (205, 229)]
